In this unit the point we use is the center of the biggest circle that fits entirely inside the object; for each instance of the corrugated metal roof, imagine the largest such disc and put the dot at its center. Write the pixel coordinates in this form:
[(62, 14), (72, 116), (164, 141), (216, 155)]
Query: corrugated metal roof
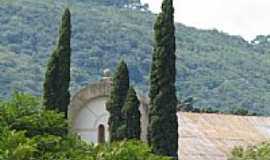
[(213, 136)]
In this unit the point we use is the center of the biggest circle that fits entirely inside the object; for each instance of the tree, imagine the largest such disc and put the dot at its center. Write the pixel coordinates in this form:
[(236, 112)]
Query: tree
[(56, 86), (116, 102), (163, 126), (132, 115), (186, 105)]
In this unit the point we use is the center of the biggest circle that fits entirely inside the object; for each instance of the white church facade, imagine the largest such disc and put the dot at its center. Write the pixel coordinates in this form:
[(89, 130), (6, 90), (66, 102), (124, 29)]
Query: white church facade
[(88, 115)]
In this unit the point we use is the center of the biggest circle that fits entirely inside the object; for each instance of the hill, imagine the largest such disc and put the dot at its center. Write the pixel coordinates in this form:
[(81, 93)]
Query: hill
[(217, 69)]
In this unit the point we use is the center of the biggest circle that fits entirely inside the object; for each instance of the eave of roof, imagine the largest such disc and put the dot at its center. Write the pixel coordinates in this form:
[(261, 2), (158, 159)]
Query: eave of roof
[(212, 136)]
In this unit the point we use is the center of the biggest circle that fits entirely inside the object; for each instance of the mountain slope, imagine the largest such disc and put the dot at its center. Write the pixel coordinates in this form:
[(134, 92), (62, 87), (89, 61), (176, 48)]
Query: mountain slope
[(217, 69)]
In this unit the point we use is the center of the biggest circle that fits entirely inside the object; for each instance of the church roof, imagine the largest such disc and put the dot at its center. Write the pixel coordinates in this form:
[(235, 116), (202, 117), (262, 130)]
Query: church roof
[(213, 136)]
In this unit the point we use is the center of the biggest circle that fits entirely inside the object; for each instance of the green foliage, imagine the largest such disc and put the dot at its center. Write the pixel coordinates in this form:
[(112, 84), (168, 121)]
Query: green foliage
[(127, 150), (163, 126), (26, 143), (15, 146), (56, 86), (25, 113), (116, 102), (240, 111), (259, 152), (116, 2), (132, 115), (213, 67), (69, 148), (186, 105), (27, 128)]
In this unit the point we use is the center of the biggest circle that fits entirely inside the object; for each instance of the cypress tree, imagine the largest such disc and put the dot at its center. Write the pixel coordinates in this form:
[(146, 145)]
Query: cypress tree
[(116, 102), (163, 126), (56, 86), (132, 115)]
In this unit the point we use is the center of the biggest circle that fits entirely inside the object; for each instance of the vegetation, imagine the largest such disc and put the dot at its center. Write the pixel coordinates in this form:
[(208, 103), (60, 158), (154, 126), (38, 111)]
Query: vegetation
[(119, 3), (56, 85), (186, 105), (220, 71), (25, 113), (28, 131), (116, 102), (261, 152), (132, 115), (127, 150), (163, 125)]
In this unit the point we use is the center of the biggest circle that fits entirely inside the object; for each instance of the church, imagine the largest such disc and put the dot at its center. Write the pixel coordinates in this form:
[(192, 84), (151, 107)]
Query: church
[(88, 115), (201, 136)]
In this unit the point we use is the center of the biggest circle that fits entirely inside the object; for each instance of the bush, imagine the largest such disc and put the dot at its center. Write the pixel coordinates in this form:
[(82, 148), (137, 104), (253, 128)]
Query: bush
[(25, 113), (15, 145), (259, 152), (127, 150), (29, 132)]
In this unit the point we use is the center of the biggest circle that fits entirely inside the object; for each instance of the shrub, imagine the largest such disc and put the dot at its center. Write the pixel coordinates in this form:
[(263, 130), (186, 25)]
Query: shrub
[(29, 132), (127, 150), (25, 113), (259, 152), (15, 145)]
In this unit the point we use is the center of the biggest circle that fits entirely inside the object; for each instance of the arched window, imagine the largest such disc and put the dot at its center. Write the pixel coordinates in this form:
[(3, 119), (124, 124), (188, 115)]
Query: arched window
[(101, 134)]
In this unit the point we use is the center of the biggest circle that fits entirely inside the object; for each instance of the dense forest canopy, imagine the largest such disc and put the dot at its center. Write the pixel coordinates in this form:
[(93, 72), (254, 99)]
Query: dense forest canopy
[(116, 2), (216, 69)]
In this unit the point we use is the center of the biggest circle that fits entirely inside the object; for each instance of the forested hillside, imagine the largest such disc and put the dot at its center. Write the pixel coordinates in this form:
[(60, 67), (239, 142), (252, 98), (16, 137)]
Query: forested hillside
[(217, 69)]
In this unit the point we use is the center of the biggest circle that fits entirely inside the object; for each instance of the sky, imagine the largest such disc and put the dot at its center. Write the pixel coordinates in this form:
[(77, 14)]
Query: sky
[(246, 18)]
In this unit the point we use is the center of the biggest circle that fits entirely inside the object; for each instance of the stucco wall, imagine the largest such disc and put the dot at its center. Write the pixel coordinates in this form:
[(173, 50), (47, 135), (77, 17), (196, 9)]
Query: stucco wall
[(90, 117), (87, 111)]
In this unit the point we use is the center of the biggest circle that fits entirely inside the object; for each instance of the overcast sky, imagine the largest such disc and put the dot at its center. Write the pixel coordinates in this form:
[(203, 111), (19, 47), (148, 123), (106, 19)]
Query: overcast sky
[(247, 18)]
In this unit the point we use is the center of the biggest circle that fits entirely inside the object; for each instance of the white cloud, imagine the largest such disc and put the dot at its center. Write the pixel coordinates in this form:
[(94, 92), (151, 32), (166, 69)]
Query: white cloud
[(247, 18)]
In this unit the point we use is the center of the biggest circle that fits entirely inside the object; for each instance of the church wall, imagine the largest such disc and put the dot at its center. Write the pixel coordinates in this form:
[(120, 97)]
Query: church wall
[(87, 111), (90, 117)]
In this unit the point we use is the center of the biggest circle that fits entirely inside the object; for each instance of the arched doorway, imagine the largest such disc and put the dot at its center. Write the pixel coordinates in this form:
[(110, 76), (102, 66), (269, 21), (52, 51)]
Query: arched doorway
[(101, 134)]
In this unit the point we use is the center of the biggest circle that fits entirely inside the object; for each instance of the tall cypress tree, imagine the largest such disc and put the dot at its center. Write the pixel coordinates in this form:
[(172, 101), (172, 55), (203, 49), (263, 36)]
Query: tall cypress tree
[(116, 102), (132, 115), (56, 86), (162, 131)]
